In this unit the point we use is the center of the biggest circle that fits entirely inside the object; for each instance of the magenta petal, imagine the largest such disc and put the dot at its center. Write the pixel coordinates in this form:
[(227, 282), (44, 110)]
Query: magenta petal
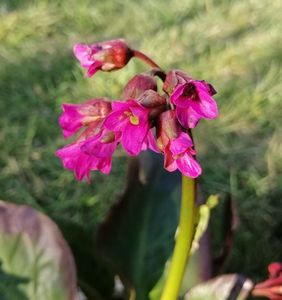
[(141, 112), (188, 166), (121, 105), (82, 167), (97, 148), (169, 162), (69, 128), (205, 86), (71, 109), (67, 153), (75, 160), (180, 144), (70, 119), (133, 137), (177, 92), (206, 106), (116, 121), (96, 66), (105, 165), (107, 149), (150, 142), (82, 53), (178, 99), (201, 85), (187, 117)]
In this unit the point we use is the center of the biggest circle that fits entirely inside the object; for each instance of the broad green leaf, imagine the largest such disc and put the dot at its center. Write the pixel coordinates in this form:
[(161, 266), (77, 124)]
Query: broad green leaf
[(224, 287), (138, 236), (34, 253)]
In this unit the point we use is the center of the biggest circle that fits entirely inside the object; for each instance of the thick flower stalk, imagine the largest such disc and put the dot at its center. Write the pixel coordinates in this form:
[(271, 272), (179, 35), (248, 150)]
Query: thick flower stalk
[(143, 117)]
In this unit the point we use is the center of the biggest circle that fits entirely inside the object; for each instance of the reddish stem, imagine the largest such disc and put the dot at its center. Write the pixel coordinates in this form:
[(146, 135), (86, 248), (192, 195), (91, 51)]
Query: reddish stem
[(158, 72), (146, 59)]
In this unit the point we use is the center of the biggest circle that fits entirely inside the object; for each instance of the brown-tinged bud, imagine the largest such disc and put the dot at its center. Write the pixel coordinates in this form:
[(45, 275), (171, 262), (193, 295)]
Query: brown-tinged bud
[(151, 99), (167, 128), (138, 85), (154, 101), (105, 56), (173, 78)]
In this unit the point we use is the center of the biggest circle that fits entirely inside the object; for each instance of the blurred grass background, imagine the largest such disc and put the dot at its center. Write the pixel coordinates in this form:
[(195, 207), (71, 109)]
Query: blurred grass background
[(234, 44)]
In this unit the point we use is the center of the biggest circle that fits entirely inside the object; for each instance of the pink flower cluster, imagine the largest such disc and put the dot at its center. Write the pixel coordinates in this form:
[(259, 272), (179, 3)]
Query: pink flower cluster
[(272, 287), (143, 118)]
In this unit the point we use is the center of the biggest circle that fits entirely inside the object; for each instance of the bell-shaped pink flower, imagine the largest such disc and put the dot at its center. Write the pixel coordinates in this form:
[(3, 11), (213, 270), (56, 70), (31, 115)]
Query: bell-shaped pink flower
[(193, 102), (105, 56), (81, 163), (75, 116), (91, 151), (192, 98), (132, 120), (177, 146)]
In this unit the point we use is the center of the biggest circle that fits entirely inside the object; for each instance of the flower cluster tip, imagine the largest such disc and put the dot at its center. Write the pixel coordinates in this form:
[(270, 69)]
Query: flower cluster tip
[(143, 118)]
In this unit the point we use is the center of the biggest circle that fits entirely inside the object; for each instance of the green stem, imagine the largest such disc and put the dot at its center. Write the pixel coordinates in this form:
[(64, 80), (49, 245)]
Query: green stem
[(183, 240)]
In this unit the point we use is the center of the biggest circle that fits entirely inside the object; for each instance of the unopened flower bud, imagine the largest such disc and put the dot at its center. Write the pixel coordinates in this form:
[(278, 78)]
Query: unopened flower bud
[(151, 99), (138, 85), (154, 101), (167, 128), (174, 78), (105, 56)]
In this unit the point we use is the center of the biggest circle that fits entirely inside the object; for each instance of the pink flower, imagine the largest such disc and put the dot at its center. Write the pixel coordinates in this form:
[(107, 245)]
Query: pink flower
[(272, 287), (192, 98), (193, 101), (75, 159), (177, 146), (75, 116), (89, 153), (105, 56), (132, 120)]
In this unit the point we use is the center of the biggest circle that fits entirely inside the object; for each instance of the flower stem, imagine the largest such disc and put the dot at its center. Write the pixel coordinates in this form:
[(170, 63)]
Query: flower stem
[(145, 59), (183, 240)]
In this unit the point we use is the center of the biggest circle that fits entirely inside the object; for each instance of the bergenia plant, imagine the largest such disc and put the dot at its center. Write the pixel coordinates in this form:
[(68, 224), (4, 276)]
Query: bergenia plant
[(142, 118)]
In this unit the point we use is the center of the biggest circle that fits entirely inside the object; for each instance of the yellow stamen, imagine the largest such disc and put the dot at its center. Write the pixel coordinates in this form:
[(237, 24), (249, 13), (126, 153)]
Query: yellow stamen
[(134, 120)]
